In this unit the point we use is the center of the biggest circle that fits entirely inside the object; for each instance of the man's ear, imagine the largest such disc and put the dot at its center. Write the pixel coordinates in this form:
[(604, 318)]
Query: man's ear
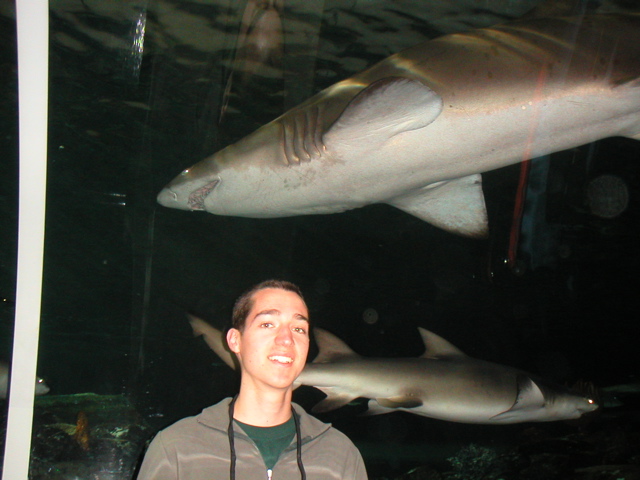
[(233, 340)]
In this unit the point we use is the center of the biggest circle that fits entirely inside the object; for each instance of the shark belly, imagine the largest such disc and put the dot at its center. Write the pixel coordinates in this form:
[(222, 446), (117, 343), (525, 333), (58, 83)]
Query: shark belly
[(449, 391), (352, 176)]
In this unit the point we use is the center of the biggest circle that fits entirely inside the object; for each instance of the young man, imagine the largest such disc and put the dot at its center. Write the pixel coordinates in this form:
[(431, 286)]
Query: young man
[(259, 433)]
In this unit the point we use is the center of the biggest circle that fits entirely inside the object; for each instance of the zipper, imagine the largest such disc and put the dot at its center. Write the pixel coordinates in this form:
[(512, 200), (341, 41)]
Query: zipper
[(269, 473)]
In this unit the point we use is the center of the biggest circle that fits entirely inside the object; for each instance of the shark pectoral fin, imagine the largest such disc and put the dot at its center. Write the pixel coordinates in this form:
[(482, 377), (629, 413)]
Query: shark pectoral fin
[(507, 417), (456, 206), (374, 408), (401, 401), (529, 394), (385, 108), (335, 399), (528, 399)]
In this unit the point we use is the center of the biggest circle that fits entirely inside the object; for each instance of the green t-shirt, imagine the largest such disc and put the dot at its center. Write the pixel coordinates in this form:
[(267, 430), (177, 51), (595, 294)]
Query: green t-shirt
[(271, 441)]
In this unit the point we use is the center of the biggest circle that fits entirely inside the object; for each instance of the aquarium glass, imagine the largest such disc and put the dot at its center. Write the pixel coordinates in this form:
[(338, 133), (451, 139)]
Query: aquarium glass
[(141, 89)]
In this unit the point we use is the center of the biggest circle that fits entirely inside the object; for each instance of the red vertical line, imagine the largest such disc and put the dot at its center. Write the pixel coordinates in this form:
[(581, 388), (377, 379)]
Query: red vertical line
[(525, 167)]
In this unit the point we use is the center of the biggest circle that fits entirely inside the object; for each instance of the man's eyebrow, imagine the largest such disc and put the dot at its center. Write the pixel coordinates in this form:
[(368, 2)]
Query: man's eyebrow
[(275, 311), (270, 311)]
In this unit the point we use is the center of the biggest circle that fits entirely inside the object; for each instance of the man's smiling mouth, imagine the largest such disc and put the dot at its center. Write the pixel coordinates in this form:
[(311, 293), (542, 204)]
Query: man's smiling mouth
[(281, 359)]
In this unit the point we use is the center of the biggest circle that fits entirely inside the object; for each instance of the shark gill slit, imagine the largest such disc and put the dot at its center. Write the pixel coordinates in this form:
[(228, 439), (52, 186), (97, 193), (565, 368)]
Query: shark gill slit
[(311, 134), (289, 155), (298, 144), (309, 122), (317, 131)]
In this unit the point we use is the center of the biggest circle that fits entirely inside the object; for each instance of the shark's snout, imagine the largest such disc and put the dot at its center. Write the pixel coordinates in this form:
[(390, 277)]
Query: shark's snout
[(182, 197), (189, 190), (167, 198)]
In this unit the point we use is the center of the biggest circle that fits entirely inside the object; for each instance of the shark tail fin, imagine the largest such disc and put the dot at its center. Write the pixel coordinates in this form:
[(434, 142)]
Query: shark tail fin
[(214, 338)]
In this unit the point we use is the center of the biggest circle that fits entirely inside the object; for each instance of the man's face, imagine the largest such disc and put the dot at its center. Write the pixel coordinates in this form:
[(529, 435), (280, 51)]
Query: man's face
[(273, 346)]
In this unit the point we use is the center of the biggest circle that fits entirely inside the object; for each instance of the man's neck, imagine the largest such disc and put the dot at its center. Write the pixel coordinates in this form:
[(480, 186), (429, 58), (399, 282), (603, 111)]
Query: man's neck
[(263, 409)]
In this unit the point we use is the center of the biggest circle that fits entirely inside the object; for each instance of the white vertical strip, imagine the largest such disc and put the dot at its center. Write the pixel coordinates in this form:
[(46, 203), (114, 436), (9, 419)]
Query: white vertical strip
[(33, 61)]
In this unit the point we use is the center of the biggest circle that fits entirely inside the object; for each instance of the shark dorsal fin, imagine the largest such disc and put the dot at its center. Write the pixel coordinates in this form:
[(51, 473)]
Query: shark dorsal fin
[(384, 109), (437, 347), (330, 347)]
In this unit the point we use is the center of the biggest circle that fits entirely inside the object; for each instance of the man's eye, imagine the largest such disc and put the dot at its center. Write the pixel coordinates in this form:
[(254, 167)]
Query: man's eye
[(300, 330), (266, 325)]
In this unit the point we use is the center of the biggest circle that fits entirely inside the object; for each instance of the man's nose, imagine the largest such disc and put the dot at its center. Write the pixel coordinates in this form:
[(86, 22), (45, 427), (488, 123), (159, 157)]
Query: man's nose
[(285, 336)]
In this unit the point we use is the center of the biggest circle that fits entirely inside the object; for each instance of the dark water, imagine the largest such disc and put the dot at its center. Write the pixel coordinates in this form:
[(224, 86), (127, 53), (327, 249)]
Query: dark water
[(136, 94)]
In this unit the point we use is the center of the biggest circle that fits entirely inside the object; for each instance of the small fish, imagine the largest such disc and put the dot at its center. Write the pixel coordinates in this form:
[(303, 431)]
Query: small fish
[(81, 432)]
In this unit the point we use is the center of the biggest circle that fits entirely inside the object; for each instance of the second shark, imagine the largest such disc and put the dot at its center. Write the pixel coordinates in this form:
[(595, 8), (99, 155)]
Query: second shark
[(443, 383)]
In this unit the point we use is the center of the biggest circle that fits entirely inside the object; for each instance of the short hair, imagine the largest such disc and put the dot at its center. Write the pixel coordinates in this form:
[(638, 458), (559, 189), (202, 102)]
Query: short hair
[(244, 303)]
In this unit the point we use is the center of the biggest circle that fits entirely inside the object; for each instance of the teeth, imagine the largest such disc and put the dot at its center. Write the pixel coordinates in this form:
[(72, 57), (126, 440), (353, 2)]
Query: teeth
[(196, 199), (281, 359)]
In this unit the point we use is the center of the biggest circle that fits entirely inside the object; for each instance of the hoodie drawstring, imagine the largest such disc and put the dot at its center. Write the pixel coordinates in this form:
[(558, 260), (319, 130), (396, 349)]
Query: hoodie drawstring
[(232, 447)]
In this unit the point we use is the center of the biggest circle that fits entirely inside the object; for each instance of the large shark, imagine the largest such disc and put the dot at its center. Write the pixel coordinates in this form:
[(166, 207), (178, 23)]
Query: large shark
[(443, 383), (417, 129)]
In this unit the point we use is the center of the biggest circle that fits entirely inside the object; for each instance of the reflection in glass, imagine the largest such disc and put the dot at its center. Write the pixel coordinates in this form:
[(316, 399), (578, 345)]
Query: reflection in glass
[(141, 90)]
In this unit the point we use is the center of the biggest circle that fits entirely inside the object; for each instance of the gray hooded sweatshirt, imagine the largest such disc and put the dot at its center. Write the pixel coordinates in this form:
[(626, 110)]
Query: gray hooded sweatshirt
[(197, 448)]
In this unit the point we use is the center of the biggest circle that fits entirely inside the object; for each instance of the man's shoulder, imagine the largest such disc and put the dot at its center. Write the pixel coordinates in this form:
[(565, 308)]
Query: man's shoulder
[(320, 430), (337, 438), (330, 443), (210, 419)]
